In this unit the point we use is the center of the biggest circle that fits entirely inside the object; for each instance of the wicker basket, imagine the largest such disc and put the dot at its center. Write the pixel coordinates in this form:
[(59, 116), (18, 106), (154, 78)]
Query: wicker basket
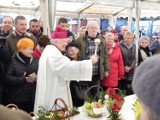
[(63, 111), (88, 90), (120, 103), (12, 106), (95, 115)]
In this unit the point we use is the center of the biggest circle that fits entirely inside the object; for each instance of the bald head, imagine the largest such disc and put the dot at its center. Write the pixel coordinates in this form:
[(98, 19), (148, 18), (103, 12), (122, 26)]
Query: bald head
[(123, 29), (92, 28)]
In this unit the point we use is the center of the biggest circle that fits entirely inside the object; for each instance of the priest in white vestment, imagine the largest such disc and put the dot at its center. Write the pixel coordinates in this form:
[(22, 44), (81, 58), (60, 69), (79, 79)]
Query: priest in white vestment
[(55, 69)]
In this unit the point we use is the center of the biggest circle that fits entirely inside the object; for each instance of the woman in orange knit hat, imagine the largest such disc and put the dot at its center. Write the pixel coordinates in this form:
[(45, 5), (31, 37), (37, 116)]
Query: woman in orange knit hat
[(21, 76)]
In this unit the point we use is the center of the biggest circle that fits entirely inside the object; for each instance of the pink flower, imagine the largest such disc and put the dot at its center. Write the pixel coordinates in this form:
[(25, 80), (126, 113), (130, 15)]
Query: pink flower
[(115, 107), (111, 91), (117, 97)]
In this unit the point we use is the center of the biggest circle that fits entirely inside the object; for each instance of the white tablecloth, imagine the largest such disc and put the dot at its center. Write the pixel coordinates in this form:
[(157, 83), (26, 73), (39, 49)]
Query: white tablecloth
[(127, 112)]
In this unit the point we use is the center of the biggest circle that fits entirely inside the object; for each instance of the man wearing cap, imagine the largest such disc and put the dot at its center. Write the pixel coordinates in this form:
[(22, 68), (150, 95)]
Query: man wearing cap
[(146, 85), (55, 69)]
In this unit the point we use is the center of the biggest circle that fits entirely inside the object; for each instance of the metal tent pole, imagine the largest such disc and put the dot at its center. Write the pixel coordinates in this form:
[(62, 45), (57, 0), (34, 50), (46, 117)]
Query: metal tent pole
[(137, 12)]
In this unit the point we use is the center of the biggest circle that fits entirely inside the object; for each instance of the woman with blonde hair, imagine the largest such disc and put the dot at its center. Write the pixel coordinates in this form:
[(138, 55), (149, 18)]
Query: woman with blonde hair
[(128, 50), (21, 76), (116, 63)]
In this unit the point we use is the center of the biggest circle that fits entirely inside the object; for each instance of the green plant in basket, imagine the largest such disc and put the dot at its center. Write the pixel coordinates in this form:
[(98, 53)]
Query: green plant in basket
[(43, 114), (92, 106), (90, 99)]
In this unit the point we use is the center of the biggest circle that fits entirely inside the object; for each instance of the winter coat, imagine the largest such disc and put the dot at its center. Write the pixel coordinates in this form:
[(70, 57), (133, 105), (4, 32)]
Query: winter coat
[(104, 60), (13, 38), (3, 36), (120, 37), (37, 36), (5, 58), (146, 51), (19, 90), (116, 68), (153, 46), (54, 71), (36, 53), (129, 58)]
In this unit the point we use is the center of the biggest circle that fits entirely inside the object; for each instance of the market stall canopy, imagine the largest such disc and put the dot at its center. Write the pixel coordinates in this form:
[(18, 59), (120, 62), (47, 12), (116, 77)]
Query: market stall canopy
[(83, 8)]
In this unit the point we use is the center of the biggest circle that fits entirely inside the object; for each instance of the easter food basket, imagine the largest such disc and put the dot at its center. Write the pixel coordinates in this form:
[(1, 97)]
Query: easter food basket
[(92, 107), (59, 111)]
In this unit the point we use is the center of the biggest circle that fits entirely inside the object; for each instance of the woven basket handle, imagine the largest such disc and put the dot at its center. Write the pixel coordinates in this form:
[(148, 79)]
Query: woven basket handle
[(118, 90), (12, 105), (92, 88), (56, 104)]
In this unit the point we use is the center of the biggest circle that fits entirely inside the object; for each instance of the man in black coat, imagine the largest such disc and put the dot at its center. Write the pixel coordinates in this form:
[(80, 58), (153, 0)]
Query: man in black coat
[(5, 58)]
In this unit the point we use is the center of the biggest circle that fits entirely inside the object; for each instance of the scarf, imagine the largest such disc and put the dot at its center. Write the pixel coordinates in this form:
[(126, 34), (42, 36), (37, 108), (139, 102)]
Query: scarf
[(25, 58), (110, 48)]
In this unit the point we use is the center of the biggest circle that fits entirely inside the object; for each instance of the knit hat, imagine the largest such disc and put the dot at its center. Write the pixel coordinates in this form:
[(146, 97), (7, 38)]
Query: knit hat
[(58, 33), (146, 83), (72, 44), (114, 31), (24, 43)]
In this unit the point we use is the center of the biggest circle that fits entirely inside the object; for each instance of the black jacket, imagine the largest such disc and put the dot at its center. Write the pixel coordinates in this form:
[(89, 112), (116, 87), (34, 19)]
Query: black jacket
[(128, 54), (5, 58), (146, 50), (18, 88)]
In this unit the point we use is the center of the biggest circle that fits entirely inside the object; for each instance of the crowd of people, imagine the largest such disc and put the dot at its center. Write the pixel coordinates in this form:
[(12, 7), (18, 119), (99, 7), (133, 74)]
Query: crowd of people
[(36, 69)]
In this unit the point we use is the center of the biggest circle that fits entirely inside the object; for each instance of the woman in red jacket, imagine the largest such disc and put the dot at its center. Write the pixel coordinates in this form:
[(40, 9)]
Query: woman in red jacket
[(116, 63)]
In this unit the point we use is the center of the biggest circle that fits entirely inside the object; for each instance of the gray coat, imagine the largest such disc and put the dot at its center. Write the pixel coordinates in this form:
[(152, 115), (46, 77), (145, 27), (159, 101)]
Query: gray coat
[(128, 54)]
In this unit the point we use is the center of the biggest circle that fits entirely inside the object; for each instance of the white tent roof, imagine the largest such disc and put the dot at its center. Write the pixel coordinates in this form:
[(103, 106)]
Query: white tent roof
[(83, 8)]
